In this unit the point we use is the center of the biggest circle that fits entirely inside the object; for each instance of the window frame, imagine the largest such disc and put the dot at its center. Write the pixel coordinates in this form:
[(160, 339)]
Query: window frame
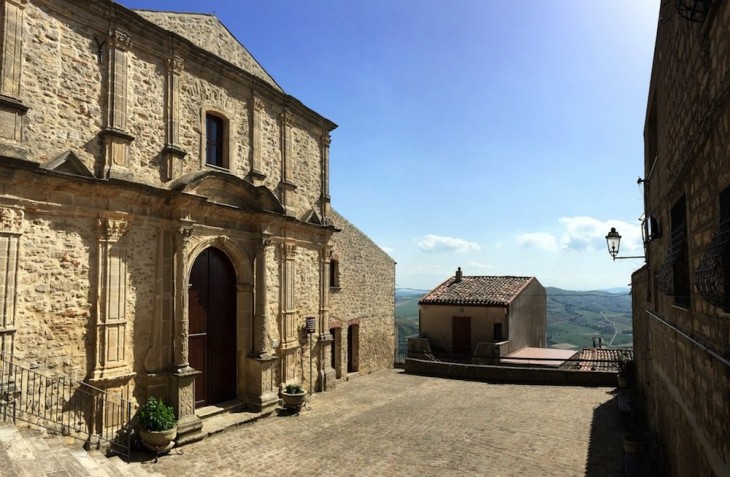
[(222, 141)]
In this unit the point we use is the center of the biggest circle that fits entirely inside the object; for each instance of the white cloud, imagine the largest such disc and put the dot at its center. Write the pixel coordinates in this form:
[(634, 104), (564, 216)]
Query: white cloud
[(589, 234), (538, 240), (437, 243), (584, 234), (473, 264)]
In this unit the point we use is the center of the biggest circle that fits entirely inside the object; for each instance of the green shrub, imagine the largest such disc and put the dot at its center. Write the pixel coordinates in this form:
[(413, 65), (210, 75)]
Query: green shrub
[(294, 389), (156, 416)]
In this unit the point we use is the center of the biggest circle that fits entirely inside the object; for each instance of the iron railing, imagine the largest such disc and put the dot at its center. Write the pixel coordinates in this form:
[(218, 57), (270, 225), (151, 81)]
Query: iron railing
[(65, 406)]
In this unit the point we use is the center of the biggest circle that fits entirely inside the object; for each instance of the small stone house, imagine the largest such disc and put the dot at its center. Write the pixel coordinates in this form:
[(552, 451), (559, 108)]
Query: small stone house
[(480, 318), (165, 217)]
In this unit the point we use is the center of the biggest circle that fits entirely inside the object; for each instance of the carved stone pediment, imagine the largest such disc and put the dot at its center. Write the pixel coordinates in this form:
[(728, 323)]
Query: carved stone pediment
[(226, 189), (68, 163)]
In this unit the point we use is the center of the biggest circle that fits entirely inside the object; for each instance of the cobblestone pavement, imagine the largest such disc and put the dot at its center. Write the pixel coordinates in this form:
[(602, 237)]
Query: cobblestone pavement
[(391, 424)]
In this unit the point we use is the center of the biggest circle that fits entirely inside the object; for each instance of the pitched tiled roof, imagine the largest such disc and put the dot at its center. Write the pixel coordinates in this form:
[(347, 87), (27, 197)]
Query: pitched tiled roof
[(476, 291)]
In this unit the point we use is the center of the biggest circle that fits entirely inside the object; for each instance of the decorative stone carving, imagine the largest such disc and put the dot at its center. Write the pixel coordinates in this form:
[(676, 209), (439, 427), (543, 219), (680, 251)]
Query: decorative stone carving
[(120, 39), (175, 64), (11, 220), (258, 104), (111, 230)]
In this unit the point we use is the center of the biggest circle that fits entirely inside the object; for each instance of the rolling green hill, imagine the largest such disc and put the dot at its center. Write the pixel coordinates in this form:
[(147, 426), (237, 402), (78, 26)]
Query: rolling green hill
[(573, 317)]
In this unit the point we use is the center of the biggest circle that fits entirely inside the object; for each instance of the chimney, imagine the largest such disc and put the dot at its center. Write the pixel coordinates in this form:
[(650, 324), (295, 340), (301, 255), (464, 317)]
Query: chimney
[(457, 277)]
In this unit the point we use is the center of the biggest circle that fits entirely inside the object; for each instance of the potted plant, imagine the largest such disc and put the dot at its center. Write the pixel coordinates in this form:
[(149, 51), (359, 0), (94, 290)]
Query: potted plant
[(293, 396), (157, 425)]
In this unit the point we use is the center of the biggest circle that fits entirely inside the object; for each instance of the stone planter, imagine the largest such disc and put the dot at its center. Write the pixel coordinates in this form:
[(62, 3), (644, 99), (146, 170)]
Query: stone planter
[(293, 401), (158, 441)]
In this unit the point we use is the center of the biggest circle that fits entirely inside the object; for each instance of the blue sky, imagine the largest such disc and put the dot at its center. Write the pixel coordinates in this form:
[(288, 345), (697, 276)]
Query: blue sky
[(501, 136)]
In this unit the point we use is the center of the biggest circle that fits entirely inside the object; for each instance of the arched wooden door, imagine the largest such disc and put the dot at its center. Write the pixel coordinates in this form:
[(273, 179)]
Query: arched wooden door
[(212, 333)]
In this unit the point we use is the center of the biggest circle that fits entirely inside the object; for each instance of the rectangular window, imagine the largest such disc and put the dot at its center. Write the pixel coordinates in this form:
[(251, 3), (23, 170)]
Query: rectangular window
[(215, 136), (680, 252), (334, 274)]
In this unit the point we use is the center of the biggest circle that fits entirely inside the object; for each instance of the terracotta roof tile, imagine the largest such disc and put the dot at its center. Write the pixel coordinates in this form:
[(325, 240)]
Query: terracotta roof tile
[(476, 290)]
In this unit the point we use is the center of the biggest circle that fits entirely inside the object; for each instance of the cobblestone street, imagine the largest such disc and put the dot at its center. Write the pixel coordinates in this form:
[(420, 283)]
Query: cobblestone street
[(390, 423)]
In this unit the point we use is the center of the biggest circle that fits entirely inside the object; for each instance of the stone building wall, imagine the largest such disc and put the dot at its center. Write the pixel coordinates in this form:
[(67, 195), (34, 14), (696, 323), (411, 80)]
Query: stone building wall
[(682, 337), (366, 297), (107, 202)]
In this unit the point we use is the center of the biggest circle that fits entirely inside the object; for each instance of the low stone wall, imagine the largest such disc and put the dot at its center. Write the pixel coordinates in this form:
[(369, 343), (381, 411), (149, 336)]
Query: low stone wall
[(510, 374)]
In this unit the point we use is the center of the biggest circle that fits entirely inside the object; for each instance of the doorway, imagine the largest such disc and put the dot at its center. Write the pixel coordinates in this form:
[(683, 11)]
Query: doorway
[(212, 332), (461, 335)]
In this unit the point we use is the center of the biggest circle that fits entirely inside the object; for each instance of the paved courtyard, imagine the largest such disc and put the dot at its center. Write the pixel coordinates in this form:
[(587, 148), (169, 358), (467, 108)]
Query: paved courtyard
[(391, 424)]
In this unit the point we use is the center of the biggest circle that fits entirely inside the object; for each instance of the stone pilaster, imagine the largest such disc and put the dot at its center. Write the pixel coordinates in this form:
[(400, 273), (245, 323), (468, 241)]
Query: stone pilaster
[(182, 325), (12, 108), (12, 47), (286, 186), (110, 312), (324, 145), (288, 315), (116, 138), (257, 172), (11, 229), (327, 374), (184, 394), (173, 154), (261, 319)]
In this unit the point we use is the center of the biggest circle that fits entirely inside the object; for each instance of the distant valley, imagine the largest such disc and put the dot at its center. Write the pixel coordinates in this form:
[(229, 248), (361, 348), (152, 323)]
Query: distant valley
[(574, 318)]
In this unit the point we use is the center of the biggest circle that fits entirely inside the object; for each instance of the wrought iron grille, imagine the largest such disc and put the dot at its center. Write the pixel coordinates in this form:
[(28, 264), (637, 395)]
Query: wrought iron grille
[(65, 406), (710, 277), (693, 10)]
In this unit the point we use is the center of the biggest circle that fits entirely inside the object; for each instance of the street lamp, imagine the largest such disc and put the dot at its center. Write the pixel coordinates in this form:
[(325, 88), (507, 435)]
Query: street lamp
[(613, 240)]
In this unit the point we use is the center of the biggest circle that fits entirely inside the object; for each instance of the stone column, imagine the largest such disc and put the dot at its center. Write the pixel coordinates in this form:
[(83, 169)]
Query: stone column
[(184, 395), (173, 154), (286, 186), (110, 312), (327, 374), (116, 138), (11, 227), (12, 108)]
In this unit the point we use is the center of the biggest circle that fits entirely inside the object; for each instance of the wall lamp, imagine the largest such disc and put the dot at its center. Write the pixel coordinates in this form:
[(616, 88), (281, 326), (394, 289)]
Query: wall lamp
[(613, 240)]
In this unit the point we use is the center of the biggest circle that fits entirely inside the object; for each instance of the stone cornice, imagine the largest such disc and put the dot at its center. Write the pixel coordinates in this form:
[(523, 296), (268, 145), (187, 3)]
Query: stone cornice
[(13, 104)]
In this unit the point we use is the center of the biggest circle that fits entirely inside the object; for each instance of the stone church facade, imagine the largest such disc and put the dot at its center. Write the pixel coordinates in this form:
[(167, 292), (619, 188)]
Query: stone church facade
[(165, 219)]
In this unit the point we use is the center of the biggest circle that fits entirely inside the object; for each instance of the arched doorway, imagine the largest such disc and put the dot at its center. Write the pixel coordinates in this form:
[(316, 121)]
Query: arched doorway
[(212, 332)]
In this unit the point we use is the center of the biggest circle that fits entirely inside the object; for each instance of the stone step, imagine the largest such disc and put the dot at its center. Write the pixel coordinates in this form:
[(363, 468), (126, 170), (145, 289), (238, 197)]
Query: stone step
[(34, 453)]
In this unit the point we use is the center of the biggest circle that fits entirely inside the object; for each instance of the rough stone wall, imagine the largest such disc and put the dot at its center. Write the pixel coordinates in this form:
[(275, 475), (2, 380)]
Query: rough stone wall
[(366, 295), (55, 293), (207, 32), (687, 143), (64, 85)]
